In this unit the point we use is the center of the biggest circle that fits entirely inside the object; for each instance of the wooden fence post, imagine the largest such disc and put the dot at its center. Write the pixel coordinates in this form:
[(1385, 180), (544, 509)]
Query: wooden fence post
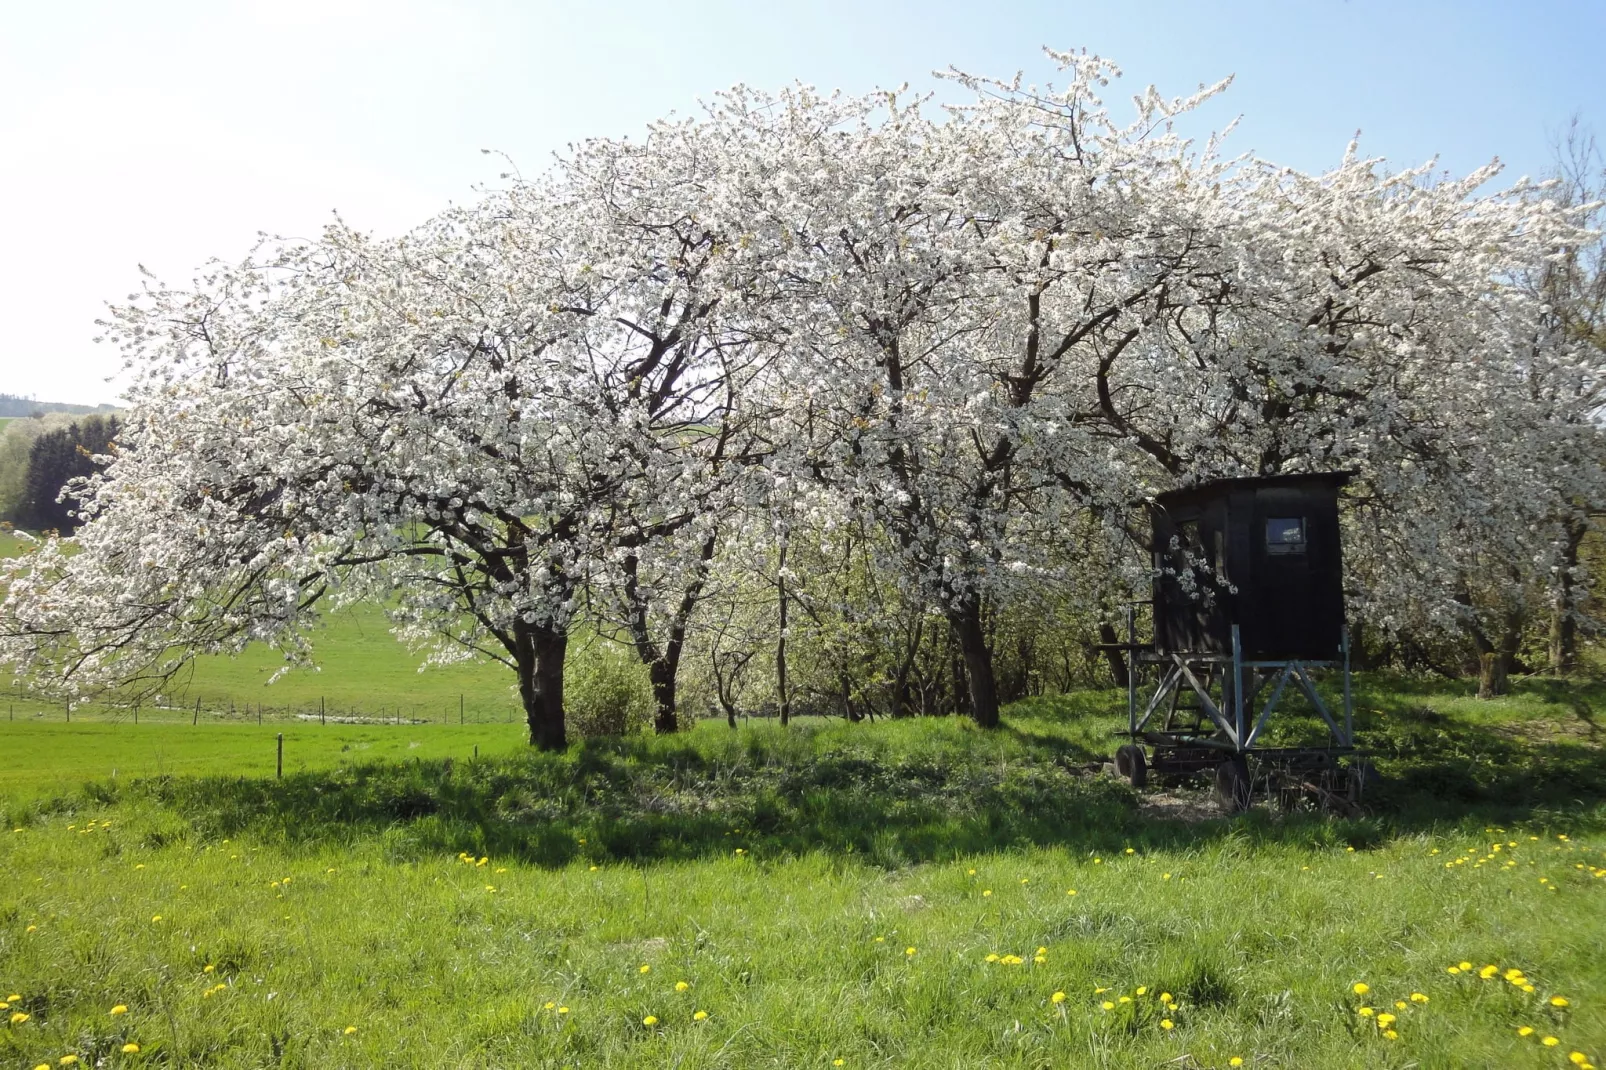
[(197, 718), (279, 771)]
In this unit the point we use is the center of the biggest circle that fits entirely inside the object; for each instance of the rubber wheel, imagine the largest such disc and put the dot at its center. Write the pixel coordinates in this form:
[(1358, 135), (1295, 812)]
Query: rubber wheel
[(1130, 763), (1232, 785)]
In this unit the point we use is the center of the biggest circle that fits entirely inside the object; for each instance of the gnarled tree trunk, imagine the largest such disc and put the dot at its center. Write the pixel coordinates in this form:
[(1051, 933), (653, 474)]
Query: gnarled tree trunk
[(539, 656), (966, 622)]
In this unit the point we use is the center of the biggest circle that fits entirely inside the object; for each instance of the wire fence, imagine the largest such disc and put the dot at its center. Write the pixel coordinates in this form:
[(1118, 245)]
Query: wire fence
[(464, 711)]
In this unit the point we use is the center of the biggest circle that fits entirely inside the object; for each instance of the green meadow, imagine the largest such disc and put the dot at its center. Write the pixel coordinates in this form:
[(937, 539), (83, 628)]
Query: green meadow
[(421, 889), (905, 894)]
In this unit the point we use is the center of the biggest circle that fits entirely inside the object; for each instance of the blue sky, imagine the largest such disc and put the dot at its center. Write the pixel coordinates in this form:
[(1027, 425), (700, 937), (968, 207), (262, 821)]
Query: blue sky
[(168, 133)]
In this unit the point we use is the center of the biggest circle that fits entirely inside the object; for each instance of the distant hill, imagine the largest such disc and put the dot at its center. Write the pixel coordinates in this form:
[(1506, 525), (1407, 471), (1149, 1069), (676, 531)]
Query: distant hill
[(12, 405)]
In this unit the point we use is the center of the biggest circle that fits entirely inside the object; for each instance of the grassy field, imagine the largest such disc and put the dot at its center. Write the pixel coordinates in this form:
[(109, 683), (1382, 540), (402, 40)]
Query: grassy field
[(912, 894)]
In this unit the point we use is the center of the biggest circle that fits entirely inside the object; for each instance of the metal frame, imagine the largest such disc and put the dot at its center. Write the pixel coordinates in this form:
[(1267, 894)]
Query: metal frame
[(1238, 722)]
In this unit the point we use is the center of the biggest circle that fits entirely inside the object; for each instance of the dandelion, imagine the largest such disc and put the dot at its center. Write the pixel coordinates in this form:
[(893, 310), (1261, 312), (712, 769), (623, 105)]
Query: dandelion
[(1143, 990), (1488, 972), (645, 969), (1465, 966), (1107, 1005), (350, 1029), (13, 998), (1389, 1034), (1130, 850), (838, 1062), (130, 1048), (17, 1018), (1550, 1042), (548, 1005), (156, 919), (1236, 1060), (141, 865), (1070, 891), (1098, 861), (970, 873), (209, 967), (1058, 997), (681, 986), (121, 1008), (1365, 1012), (1385, 1020), (1399, 1004), (992, 958), (66, 1060), (651, 1019), (1167, 1024), (908, 951), (1124, 999), (1578, 1058), (31, 929), (563, 1010), (699, 1016), (1525, 1031), (1417, 997), (1360, 988), (1558, 1001), (987, 892)]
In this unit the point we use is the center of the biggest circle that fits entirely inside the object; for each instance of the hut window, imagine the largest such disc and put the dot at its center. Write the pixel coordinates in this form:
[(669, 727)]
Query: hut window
[(1285, 535)]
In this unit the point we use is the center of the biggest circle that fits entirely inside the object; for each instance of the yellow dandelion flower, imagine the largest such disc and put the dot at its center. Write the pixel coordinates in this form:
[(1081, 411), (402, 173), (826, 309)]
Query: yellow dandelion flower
[(1236, 1060), (1107, 1005), (1385, 1020), (908, 951), (645, 969), (1488, 972), (970, 873), (1390, 1034), (838, 1062), (156, 919), (67, 1060), (140, 865), (1124, 999), (1058, 997), (17, 1018), (548, 1005), (1131, 850), (1417, 997), (1465, 965), (1578, 1058), (350, 1029), (991, 958), (13, 998), (31, 928), (1365, 1012), (1558, 1001), (1143, 990), (1550, 1042), (1529, 989), (699, 1016), (1360, 988), (563, 1010), (1070, 891), (681, 986), (130, 1048), (651, 1019), (1399, 1004), (988, 891), (1098, 861), (1166, 1023), (121, 1008)]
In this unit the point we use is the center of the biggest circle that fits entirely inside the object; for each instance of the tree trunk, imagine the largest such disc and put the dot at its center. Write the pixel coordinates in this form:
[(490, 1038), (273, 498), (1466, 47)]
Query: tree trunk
[(662, 673), (1115, 658), (780, 643), (1492, 676), (978, 663), (541, 654), (1564, 604)]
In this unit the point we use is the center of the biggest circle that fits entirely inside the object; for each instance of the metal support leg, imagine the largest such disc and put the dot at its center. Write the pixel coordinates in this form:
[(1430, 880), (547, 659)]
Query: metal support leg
[(1132, 671), (1349, 705), (1238, 687)]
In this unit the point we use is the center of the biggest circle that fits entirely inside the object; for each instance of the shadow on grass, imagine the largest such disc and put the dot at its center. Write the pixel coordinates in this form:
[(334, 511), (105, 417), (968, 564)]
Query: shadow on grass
[(889, 794)]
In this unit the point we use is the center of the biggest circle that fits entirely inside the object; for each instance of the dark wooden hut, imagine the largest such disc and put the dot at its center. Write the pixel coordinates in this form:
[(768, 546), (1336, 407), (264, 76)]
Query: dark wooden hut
[(1262, 553)]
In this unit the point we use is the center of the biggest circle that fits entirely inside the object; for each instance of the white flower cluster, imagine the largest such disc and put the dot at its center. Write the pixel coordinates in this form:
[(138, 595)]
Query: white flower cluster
[(984, 337)]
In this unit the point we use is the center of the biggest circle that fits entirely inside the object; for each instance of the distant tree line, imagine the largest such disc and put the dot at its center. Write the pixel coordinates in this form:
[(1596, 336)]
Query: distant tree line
[(39, 457)]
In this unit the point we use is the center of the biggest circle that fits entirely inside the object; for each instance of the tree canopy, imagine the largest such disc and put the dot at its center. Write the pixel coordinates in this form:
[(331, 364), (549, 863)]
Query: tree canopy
[(803, 336)]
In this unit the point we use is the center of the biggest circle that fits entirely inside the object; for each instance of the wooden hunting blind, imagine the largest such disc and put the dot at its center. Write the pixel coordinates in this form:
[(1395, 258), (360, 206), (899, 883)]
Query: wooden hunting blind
[(1262, 554), (1248, 598)]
